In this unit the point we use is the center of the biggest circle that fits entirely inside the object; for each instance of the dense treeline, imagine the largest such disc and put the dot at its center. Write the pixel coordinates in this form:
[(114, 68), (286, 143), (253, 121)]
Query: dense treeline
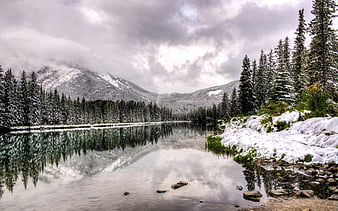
[(24, 102), (291, 76), (285, 74)]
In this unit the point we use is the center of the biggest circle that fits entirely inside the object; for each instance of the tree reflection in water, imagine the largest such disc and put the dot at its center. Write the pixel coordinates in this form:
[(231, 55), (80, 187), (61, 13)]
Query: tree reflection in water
[(26, 155)]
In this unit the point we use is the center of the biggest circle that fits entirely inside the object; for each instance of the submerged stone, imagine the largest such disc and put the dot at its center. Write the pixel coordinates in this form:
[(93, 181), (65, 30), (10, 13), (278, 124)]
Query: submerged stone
[(179, 184), (331, 181), (333, 197), (279, 192), (253, 195), (305, 193), (161, 191)]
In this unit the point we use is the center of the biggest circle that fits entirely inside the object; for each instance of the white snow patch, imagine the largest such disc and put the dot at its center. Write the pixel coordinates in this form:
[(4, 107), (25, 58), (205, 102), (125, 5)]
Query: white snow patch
[(316, 136), (110, 80), (63, 75), (216, 92), (287, 117)]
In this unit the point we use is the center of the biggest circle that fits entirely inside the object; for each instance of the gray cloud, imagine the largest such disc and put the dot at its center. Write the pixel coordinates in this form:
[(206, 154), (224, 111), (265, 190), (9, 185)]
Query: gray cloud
[(164, 46)]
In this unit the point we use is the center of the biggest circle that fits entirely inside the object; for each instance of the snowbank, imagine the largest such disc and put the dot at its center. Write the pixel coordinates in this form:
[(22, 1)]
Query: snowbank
[(315, 138)]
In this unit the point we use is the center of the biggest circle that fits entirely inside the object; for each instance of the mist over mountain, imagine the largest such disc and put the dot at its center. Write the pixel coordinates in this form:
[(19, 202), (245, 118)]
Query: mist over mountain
[(76, 81)]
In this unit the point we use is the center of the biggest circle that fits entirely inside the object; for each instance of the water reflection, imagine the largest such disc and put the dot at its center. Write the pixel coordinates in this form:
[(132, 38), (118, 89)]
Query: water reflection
[(26, 155)]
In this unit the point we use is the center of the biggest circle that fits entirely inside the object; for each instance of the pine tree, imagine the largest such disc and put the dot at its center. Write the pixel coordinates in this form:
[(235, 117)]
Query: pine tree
[(10, 99), (254, 80), (2, 103), (323, 55), (34, 100), (234, 103), (23, 108), (260, 81), (246, 95), (225, 105), (299, 55), (269, 76), (282, 90)]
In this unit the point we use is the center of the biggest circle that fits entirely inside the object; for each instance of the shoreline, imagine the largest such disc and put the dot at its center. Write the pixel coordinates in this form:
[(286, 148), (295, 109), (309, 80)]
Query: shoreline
[(56, 128)]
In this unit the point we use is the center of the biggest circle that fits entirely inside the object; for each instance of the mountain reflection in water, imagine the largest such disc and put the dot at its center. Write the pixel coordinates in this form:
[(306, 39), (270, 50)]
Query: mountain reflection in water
[(27, 155)]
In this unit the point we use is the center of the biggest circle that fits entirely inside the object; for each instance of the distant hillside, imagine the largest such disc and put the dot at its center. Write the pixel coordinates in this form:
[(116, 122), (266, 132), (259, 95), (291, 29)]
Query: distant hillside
[(77, 81)]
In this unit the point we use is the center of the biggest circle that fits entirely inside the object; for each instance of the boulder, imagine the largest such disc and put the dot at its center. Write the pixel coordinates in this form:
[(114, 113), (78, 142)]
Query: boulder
[(239, 187), (179, 184), (279, 192), (331, 181), (253, 195), (161, 191), (333, 189), (305, 193), (333, 197), (311, 172), (315, 183)]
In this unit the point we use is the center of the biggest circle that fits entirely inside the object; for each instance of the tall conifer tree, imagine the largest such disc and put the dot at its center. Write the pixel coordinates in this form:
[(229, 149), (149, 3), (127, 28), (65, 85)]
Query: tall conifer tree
[(299, 55), (246, 95), (323, 55)]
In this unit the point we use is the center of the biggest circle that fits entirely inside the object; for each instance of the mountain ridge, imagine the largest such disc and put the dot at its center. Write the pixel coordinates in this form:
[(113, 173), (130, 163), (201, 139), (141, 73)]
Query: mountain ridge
[(77, 81)]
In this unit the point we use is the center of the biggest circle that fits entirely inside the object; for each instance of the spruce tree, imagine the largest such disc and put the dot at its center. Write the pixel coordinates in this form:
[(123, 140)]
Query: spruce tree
[(254, 80), (2, 103), (10, 99), (34, 100), (283, 86), (260, 82), (323, 55), (270, 75), (299, 55), (234, 103), (246, 95), (23, 108), (225, 105)]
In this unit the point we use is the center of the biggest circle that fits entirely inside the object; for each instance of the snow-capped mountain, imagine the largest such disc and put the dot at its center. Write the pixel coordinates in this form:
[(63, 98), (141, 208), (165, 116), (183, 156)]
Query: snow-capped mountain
[(76, 81), (200, 98)]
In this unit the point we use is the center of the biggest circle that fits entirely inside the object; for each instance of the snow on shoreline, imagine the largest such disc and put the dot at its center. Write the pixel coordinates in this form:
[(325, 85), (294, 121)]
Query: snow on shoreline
[(58, 128), (317, 137)]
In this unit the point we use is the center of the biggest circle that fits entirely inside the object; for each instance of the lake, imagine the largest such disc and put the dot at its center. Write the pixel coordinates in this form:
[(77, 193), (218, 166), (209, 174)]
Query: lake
[(92, 169)]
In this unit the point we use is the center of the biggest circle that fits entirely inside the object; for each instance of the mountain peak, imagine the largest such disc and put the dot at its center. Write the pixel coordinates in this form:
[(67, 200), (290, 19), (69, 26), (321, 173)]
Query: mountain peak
[(77, 81)]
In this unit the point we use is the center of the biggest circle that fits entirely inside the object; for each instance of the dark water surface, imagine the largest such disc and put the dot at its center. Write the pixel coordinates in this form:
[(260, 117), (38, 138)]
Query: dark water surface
[(91, 169)]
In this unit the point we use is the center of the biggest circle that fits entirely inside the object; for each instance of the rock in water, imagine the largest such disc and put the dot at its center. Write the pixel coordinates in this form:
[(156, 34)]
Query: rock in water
[(331, 181), (253, 195), (239, 187), (161, 191), (305, 193), (179, 184), (280, 192), (333, 197)]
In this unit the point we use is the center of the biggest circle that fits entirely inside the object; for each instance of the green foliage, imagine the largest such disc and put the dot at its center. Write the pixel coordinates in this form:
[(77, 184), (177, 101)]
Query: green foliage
[(250, 156), (317, 101), (275, 108), (308, 158), (282, 156), (266, 120), (282, 125), (214, 143)]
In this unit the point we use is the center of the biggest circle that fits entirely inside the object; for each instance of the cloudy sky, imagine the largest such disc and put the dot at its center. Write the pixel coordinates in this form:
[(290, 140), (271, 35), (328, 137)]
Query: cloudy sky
[(162, 45)]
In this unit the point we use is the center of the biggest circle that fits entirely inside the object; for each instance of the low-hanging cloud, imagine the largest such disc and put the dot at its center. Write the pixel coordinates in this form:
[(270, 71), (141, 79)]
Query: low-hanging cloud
[(163, 46)]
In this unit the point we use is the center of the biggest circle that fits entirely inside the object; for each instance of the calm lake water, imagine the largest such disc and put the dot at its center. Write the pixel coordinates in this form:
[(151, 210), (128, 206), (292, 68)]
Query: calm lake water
[(91, 170)]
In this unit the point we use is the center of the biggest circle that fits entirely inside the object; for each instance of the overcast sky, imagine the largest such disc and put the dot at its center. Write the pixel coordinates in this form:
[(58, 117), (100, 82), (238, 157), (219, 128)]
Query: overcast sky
[(162, 45)]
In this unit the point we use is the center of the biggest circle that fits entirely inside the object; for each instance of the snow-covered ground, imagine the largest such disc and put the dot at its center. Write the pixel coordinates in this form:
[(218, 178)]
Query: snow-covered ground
[(317, 137)]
